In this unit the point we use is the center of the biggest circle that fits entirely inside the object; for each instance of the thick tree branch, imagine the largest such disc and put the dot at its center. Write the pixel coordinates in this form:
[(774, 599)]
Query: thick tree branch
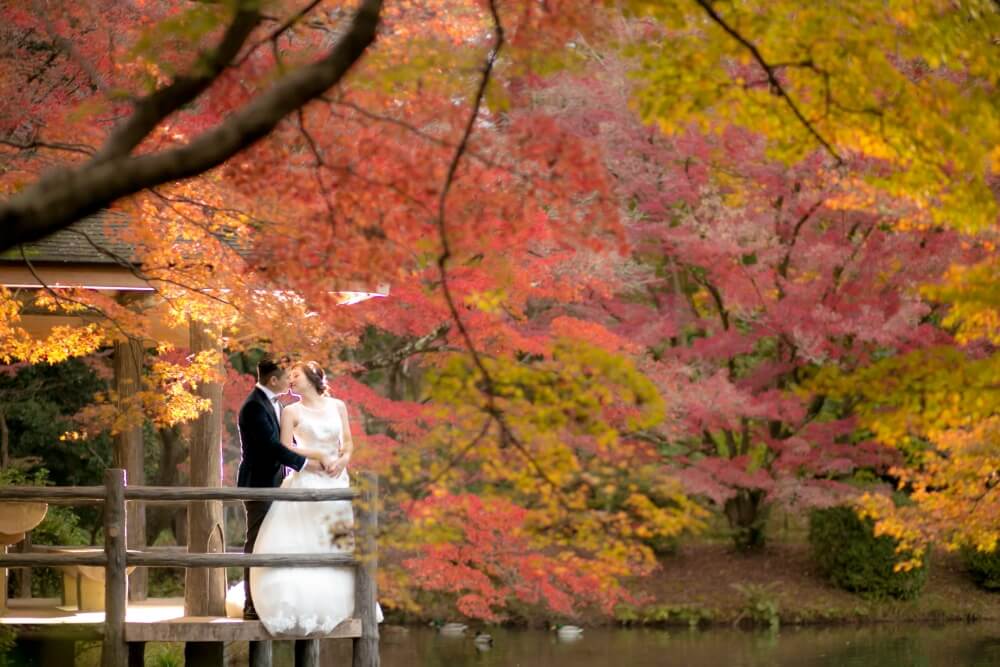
[(422, 345), (62, 198), (151, 110)]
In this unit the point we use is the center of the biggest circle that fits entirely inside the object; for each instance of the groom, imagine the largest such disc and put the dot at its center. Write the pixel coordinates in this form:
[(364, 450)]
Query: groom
[(264, 457)]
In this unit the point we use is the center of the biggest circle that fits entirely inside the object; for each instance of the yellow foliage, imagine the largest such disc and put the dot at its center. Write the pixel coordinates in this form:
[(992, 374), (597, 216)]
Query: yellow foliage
[(941, 408), (897, 81), (61, 343), (567, 455)]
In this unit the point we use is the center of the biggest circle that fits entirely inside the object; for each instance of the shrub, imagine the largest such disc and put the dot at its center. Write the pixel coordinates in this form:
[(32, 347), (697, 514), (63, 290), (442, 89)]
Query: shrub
[(983, 566), (760, 605), (848, 553)]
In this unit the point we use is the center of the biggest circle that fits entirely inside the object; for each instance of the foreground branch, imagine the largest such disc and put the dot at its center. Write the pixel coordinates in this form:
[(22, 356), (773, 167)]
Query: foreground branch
[(61, 198)]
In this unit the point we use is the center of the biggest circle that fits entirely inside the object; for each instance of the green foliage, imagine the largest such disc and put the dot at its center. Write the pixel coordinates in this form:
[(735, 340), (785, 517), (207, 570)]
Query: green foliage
[(38, 403), (61, 525), (852, 557), (165, 655), (760, 605), (665, 614), (7, 641), (983, 566), (166, 582)]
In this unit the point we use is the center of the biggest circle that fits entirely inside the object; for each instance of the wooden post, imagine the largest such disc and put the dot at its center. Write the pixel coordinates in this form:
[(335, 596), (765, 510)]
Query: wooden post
[(130, 452), (24, 575), (306, 653), (260, 654), (205, 588), (115, 650), (3, 591), (365, 593)]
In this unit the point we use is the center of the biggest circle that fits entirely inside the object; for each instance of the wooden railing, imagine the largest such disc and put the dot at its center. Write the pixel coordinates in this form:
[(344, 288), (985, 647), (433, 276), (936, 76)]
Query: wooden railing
[(116, 558)]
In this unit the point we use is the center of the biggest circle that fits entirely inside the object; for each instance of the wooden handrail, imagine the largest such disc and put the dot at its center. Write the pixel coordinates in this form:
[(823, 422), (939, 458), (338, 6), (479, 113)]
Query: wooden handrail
[(54, 495), (148, 559), (31, 559), (73, 495), (153, 494), (152, 559), (116, 558)]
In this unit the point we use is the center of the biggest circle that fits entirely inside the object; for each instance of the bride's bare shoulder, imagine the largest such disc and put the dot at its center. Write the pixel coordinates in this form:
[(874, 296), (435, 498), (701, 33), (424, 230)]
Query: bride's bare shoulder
[(336, 402)]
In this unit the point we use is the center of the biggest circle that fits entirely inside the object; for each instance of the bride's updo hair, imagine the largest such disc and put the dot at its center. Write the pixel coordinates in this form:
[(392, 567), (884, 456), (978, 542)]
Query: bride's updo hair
[(314, 373)]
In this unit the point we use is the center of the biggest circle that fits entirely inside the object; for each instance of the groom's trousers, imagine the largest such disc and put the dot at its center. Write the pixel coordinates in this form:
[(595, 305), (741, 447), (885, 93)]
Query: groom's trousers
[(256, 511)]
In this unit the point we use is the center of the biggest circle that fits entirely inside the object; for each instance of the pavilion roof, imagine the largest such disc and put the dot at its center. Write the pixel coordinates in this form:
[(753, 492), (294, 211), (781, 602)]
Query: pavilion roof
[(92, 240)]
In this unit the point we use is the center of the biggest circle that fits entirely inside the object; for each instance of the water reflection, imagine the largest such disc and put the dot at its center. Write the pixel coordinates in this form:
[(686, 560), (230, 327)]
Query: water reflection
[(952, 645)]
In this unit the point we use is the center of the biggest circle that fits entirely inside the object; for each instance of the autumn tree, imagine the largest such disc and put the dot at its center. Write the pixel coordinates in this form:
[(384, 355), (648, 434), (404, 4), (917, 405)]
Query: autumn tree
[(899, 86), (329, 149), (369, 185), (747, 276)]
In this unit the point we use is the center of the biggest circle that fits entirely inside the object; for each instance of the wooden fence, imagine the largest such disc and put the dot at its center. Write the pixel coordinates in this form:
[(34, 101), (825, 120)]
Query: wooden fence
[(123, 643)]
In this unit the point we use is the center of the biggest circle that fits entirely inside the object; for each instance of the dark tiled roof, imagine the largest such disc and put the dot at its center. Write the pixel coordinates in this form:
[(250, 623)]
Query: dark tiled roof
[(92, 240)]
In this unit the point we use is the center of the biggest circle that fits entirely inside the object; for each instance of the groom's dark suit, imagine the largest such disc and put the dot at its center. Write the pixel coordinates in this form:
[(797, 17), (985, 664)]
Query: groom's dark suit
[(262, 465)]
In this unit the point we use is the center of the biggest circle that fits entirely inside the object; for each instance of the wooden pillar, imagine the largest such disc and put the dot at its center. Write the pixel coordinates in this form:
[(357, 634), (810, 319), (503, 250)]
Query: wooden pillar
[(306, 653), (205, 589), (261, 654), (365, 594), (24, 574), (115, 651), (3, 591), (130, 452)]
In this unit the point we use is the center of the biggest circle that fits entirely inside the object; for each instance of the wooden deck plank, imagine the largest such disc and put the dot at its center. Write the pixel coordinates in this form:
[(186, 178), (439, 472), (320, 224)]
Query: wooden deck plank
[(156, 619), (217, 629)]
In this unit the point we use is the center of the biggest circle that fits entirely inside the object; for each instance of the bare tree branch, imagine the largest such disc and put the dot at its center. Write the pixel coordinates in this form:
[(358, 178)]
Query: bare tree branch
[(423, 345), (489, 389), (62, 299), (771, 71), (66, 46), (279, 31), (82, 149), (61, 198)]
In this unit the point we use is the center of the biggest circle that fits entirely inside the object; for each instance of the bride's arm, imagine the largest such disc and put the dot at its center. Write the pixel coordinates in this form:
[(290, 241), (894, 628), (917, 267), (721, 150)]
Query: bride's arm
[(347, 442), (289, 418)]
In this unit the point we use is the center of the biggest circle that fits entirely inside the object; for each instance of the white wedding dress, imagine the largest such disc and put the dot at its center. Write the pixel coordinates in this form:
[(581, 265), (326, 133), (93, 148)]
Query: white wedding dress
[(307, 600)]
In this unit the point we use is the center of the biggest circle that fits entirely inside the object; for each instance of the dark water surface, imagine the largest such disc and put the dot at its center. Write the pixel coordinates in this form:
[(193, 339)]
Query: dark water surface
[(950, 645), (911, 645)]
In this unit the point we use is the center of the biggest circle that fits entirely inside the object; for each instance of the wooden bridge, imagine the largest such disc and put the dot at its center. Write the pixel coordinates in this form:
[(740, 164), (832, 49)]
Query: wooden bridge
[(124, 628)]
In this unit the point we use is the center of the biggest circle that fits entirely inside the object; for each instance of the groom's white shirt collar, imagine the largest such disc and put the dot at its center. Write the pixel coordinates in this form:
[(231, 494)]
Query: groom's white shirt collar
[(271, 396)]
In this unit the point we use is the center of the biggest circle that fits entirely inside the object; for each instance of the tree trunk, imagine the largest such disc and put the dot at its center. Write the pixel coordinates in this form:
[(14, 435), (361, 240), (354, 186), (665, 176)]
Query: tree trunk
[(173, 452), (205, 588), (747, 516), (4, 441), (129, 451)]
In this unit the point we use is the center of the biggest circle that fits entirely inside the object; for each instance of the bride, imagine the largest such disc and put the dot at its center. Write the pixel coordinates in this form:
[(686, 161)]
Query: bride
[(309, 600)]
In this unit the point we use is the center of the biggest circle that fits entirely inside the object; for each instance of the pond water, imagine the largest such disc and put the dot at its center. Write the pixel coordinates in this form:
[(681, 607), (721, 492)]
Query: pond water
[(950, 645)]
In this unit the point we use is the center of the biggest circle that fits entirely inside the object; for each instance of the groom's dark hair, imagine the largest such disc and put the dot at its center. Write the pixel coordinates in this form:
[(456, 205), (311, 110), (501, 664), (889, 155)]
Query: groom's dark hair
[(268, 368)]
